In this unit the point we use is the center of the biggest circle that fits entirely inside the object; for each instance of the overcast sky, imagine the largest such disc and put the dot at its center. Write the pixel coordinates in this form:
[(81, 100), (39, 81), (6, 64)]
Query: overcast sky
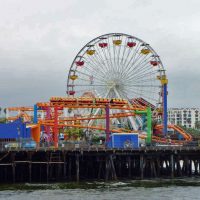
[(40, 38)]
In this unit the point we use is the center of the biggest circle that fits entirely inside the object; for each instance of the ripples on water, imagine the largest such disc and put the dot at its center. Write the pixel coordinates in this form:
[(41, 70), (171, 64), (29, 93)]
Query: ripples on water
[(151, 190)]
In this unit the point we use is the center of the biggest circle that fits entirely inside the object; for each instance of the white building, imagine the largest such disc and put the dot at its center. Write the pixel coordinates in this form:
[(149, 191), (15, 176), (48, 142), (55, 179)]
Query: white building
[(184, 116)]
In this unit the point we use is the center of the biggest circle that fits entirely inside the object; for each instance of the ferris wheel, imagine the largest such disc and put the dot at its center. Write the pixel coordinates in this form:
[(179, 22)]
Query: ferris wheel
[(117, 65)]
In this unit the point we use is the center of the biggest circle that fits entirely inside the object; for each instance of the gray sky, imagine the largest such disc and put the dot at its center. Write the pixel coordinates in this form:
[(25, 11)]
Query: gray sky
[(40, 38)]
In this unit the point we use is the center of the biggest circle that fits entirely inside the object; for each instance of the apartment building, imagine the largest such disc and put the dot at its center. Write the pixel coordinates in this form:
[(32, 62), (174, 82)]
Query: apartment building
[(184, 116)]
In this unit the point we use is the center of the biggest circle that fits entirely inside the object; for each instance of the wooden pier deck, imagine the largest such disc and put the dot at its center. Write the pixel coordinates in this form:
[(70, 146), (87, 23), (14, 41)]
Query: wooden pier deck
[(79, 164)]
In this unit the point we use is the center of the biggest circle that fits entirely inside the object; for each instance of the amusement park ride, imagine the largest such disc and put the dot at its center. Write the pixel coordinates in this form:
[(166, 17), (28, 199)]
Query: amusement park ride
[(116, 84)]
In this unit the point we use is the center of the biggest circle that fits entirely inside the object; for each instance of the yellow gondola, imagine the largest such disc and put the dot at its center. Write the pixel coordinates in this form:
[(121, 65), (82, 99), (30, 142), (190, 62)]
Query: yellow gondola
[(90, 52), (117, 42), (73, 77), (163, 79), (145, 51), (159, 110)]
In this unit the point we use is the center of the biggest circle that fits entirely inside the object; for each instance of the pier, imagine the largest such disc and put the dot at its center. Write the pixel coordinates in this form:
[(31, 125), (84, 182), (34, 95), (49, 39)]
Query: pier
[(96, 163)]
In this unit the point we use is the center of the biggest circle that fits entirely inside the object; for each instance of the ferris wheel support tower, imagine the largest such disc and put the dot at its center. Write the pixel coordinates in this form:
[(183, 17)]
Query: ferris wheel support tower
[(165, 117)]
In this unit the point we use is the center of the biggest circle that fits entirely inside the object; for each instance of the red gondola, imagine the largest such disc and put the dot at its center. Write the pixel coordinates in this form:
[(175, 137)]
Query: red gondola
[(154, 63), (71, 92), (79, 63), (103, 45), (131, 44)]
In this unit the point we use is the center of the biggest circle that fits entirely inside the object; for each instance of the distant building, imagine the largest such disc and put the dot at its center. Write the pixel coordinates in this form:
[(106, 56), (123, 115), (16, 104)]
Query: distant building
[(184, 116)]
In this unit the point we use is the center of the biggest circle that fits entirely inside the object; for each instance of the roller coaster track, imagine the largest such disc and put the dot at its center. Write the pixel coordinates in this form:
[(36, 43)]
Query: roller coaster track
[(96, 103), (187, 137)]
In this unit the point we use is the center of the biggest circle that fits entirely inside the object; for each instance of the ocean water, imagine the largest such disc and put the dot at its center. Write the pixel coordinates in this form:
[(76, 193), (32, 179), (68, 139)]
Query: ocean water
[(139, 190)]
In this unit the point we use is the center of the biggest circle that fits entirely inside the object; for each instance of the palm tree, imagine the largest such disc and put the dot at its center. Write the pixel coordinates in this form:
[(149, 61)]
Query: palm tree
[(154, 123), (197, 124), (0, 110), (5, 110)]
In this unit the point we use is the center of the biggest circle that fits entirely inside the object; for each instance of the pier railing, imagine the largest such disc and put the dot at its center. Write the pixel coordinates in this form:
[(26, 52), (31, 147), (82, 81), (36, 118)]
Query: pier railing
[(85, 146)]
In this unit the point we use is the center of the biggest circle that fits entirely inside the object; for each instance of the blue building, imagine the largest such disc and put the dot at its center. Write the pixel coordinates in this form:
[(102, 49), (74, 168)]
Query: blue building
[(124, 140), (14, 130)]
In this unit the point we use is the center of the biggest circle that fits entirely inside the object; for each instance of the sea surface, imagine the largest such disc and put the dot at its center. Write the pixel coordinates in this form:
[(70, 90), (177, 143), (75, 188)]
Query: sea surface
[(148, 189)]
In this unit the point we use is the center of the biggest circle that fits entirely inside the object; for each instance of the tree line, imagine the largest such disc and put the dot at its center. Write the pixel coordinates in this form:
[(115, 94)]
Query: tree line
[(2, 119)]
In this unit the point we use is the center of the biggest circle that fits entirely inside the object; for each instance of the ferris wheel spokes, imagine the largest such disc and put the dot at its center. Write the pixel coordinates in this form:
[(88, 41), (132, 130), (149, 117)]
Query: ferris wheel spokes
[(118, 65)]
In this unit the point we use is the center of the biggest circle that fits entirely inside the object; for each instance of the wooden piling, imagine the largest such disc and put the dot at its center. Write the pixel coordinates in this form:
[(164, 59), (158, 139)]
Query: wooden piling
[(64, 166), (77, 168), (114, 176), (172, 165), (47, 171), (129, 167), (70, 169), (141, 166), (13, 172), (158, 166), (30, 172), (107, 170), (99, 170), (195, 167)]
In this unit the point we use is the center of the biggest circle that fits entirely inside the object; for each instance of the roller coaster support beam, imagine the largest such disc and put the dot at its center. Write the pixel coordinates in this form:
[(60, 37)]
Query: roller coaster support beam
[(107, 123), (48, 116), (55, 135), (149, 126), (149, 123), (35, 119)]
